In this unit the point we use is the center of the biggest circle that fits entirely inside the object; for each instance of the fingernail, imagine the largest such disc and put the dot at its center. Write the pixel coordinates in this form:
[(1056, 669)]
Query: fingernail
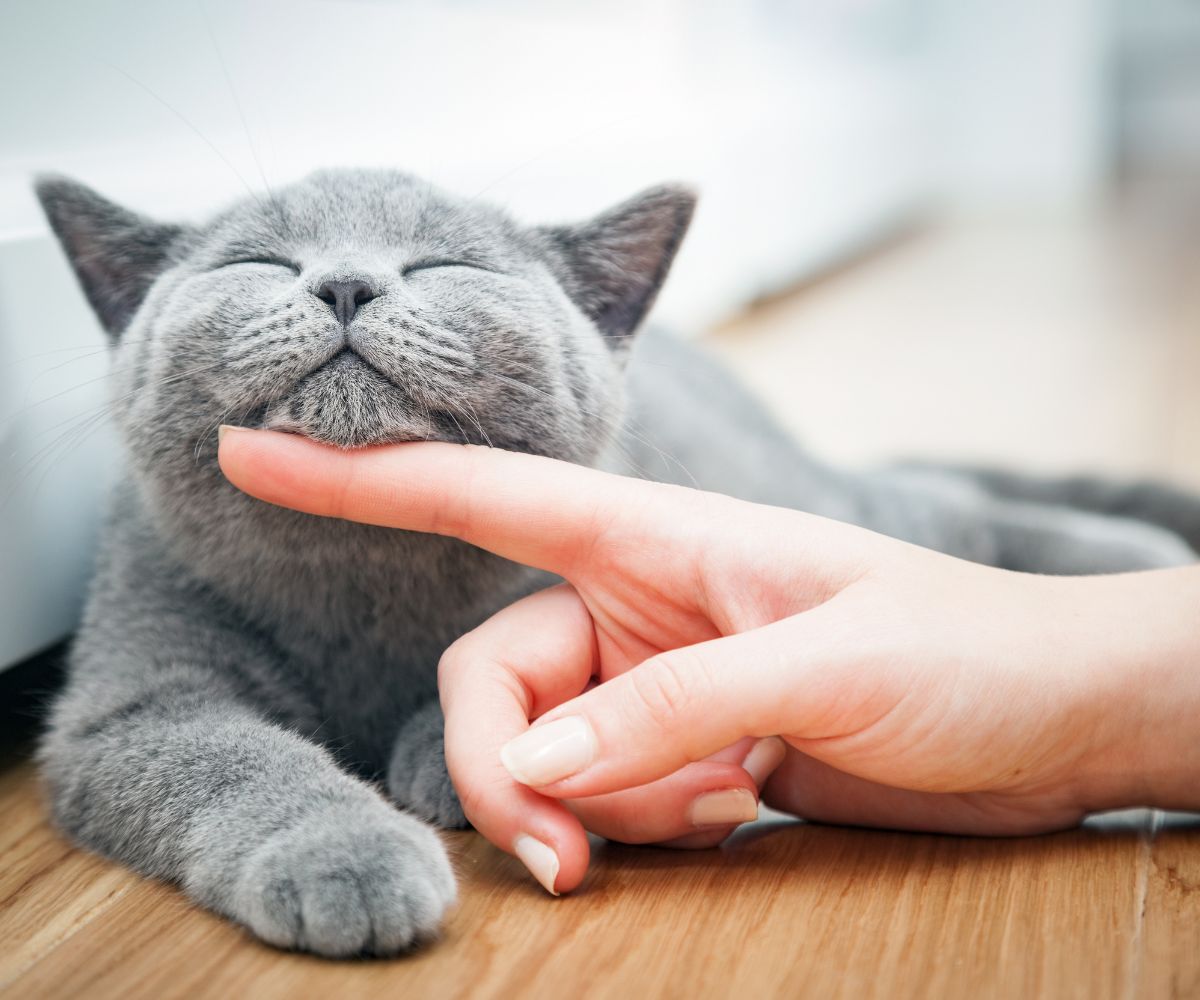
[(766, 755), (549, 753), (729, 805), (540, 859), (221, 431)]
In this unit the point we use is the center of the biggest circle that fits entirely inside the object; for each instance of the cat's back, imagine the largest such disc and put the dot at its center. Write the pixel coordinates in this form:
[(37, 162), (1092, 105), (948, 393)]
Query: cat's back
[(691, 422)]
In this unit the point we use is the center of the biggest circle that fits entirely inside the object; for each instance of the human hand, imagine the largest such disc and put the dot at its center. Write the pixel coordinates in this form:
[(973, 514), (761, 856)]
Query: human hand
[(912, 690)]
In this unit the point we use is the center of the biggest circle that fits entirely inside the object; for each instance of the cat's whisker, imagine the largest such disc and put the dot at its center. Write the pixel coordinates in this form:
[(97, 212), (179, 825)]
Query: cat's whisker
[(418, 394), (236, 102), (70, 361), (450, 413), (190, 125), (28, 407), (615, 440), (208, 432), (450, 355), (560, 145), (93, 414), (426, 398), (49, 452), (461, 399), (478, 423), (90, 349), (630, 427), (61, 423), (76, 439)]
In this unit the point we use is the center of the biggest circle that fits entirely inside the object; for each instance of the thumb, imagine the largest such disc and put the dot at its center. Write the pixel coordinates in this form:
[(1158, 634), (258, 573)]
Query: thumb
[(674, 708)]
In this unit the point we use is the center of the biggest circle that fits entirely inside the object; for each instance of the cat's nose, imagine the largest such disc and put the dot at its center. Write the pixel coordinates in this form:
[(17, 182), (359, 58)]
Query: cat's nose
[(344, 297)]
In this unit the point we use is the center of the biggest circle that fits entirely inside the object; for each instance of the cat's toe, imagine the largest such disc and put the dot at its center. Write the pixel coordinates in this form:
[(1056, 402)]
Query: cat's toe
[(370, 882)]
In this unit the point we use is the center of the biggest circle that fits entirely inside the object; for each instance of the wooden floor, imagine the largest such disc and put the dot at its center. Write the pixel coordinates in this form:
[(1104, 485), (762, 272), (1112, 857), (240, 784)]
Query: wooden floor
[(785, 910), (1056, 345)]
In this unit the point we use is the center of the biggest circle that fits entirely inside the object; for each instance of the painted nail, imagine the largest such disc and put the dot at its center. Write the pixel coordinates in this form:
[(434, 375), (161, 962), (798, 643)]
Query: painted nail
[(539, 858), (728, 806), (549, 753), (766, 755)]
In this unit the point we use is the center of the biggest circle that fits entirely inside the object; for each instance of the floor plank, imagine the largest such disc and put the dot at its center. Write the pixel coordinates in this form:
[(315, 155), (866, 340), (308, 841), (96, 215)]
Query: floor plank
[(1169, 948), (786, 909), (48, 890)]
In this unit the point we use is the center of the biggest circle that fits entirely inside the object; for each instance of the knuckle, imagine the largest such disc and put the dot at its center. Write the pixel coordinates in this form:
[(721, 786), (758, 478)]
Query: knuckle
[(449, 517), (341, 492), (454, 514), (452, 662), (485, 795), (472, 799), (666, 689)]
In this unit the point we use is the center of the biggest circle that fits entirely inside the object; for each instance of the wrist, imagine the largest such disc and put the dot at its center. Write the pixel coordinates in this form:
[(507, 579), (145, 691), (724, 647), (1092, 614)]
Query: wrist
[(1139, 678)]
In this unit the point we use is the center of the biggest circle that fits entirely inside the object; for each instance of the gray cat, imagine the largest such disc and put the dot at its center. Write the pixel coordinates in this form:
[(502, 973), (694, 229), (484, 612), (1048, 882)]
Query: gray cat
[(252, 690)]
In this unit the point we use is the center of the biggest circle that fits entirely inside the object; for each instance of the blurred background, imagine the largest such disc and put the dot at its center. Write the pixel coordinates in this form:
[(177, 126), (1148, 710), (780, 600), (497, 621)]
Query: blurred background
[(950, 230)]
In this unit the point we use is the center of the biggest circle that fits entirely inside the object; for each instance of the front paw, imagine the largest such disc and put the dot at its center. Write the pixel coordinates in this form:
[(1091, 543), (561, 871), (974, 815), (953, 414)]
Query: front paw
[(347, 881), (417, 777)]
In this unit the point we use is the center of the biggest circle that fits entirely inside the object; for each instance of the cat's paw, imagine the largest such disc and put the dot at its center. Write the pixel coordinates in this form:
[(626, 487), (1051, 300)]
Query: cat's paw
[(417, 777), (352, 881)]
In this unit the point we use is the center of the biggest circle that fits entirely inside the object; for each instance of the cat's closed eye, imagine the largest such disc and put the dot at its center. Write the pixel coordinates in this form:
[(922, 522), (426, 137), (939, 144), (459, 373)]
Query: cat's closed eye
[(263, 261), (441, 262)]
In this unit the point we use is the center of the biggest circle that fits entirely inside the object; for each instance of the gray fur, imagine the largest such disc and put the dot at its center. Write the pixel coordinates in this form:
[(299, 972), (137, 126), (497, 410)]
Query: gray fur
[(417, 773), (248, 679), (1168, 507)]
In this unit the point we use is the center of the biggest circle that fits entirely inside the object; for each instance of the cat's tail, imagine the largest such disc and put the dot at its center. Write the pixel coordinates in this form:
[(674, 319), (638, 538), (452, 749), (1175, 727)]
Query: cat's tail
[(1154, 503)]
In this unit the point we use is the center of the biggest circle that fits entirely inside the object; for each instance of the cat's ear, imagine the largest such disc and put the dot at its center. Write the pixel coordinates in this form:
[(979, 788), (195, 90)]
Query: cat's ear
[(614, 265), (116, 253)]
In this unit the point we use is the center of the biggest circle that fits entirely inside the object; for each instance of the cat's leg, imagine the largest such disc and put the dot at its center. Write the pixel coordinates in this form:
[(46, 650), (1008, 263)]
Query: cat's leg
[(171, 771), (417, 777)]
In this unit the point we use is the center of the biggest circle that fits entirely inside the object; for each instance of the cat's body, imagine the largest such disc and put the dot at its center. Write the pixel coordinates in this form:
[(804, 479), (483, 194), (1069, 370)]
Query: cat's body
[(250, 682)]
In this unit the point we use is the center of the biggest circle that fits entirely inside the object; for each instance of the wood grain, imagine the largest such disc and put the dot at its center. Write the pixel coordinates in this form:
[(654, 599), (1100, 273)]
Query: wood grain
[(48, 890), (1170, 946), (786, 909)]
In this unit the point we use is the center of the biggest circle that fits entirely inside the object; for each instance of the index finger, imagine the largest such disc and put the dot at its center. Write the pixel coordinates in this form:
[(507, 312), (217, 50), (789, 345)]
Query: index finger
[(533, 510)]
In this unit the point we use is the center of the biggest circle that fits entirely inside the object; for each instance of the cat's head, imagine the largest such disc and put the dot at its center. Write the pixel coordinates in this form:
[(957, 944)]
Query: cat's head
[(359, 307)]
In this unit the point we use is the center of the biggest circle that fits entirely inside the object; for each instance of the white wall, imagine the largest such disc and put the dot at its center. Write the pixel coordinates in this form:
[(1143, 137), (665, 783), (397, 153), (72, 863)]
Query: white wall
[(1024, 102), (552, 109), (56, 449)]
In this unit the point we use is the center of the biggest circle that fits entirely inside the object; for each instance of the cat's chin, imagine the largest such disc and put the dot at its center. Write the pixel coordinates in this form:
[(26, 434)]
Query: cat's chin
[(350, 436), (350, 404)]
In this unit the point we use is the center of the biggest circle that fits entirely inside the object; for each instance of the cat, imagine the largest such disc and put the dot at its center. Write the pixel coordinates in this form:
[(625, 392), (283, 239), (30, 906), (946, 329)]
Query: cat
[(251, 692)]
